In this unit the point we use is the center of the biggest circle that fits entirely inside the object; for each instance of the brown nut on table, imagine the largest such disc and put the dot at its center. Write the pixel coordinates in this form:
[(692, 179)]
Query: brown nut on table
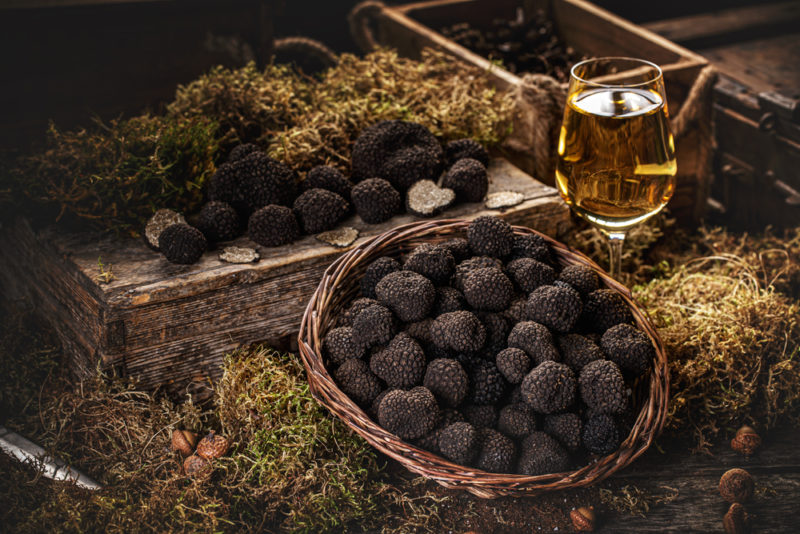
[(212, 446), (746, 441), (184, 441), (583, 519), (736, 521), (194, 465), (736, 486)]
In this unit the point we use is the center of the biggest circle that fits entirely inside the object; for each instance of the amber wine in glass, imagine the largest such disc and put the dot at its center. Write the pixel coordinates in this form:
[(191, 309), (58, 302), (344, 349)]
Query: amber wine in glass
[(616, 155)]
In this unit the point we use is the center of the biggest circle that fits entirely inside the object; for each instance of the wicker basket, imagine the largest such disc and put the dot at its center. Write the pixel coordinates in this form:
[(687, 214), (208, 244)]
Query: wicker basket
[(340, 283)]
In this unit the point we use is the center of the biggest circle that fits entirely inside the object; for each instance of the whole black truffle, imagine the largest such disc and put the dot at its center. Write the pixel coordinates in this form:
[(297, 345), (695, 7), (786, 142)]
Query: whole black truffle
[(219, 221), (375, 200), (484, 416), (531, 246), (629, 348), (411, 296), (356, 307), (252, 182), (410, 165), (583, 279), (490, 236), (434, 262), (446, 418), (318, 210), (549, 387), (468, 178), (515, 312), (449, 299), (487, 384), (240, 151), (357, 381), (529, 274), (566, 428), (472, 264), (461, 331), (447, 380), (465, 148), (577, 351), (421, 331), (272, 226), (374, 325), (557, 308), (600, 434), (488, 289), (516, 420), (401, 364), (408, 414), (339, 345), (497, 330), (602, 387), (181, 243), (497, 452), (459, 442), (329, 178), (603, 309), (375, 272), (541, 454), (535, 339), (458, 247), (514, 364)]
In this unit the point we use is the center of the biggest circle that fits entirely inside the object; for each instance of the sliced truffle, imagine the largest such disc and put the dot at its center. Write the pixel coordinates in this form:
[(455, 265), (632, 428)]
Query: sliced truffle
[(356, 307), (583, 279), (488, 289), (375, 272), (602, 387), (529, 274), (219, 221), (449, 299), (239, 255), (328, 178), (160, 220), (629, 348), (272, 226), (460, 331), (434, 262), (603, 309), (339, 345), (497, 330), (566, 428), (181, 243), (516, 420), (426, 199), (497, 452), (601, 435), (458, 247), (557, 308), (531, 246), (484, 416), (549, 387), (318, 210), (514, 364), (535, 339), (375, 200), (340, 237), (472, 264), (490, 236), (487, 384), (459, 442), (408, 414), (357, 381), (577, 350), (447, 380), (240, 151), (465, 148), (541, 454), (401, 364), (468, 178), (374, 325), (410, 295)]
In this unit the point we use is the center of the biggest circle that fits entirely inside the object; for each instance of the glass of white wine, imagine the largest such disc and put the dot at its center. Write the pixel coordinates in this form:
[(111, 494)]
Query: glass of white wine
[(616, 154)]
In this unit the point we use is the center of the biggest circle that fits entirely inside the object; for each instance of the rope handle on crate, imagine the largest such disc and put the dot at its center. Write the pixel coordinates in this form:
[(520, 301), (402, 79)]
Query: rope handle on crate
[(359, 22)]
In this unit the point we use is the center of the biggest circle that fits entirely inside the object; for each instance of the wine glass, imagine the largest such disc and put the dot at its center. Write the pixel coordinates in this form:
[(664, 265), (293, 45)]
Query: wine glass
[(616, 154)]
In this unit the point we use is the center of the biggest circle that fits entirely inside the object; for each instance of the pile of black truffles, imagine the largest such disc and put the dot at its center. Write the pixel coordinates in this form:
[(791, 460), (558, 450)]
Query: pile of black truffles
[(263, 197), (485, 351)]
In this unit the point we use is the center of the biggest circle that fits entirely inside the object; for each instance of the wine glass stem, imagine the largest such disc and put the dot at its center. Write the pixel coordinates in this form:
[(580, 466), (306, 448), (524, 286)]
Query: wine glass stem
[(615, 241)]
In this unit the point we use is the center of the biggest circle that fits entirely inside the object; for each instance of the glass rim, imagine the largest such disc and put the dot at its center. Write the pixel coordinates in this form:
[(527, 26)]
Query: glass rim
[(643, 62)]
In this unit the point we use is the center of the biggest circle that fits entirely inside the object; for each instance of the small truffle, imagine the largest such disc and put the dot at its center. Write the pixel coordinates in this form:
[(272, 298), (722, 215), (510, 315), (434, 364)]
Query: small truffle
[(468, 178), (487, 385), (408, 414), (357, 381), (447, 380), (272, 226), (529, 274), (426, 199), (401, 364), (566, 428), (488, 289), (600, 434), (465, 148), (410, 295), (603, 309), (459, 442), (446, 418), (535, 339), (356, 307), (375, 272), (219, 222), (472, 264), (602, 387), (736, 486), (484, 416), (541, 454), (514, 364), (329, 178), (583, 279), (434, 262), (339, 345), (557, 308), (629, 348), (497, 452), (240, 151), (420, 330), (181, 243), (516, 420), (252, 182), (449, 299), (318, 210), (497, 330), (577, 351), (375, 200), (531, 246), (515, 312), (549, 387), (374, 325), (461, 331), (458, 247), (160, 220), (490, 236)]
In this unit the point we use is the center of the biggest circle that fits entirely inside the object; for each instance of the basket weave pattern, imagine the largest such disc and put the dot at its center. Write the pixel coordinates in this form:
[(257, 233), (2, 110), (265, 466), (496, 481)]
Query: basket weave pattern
[(340, 283)]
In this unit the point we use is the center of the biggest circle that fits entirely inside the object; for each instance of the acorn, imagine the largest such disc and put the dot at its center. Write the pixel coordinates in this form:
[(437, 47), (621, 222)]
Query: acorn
[(583, 519), (184, 441), (736, 486), (195, 465), (736, 521), (212, 446), (746, 441)]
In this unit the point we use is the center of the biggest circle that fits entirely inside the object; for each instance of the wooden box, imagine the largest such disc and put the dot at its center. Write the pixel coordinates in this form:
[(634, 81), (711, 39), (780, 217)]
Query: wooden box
[(168, 325), (590, 30)]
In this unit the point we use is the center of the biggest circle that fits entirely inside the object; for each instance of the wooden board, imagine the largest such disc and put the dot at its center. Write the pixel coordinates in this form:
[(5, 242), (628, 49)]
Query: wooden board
[(170, 325)]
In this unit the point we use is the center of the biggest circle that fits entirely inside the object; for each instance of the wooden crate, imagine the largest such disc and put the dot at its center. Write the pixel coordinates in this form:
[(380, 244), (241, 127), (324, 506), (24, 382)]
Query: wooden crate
[(170, 325), (590, 30)]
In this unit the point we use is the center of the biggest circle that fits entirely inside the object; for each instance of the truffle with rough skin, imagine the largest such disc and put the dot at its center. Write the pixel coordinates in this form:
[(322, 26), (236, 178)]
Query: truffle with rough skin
[(375, 200), (529, 274), (420, 330), (272, 226), (600, 434), (549, 387), (408, 414), (458, 247), (497, 452), (488, 289), (602, 387), (497, 330), (374, 325), (357, 381), (446, 418), (356, 307), (460, 331), (535, 339), (603, 309), (487, 384), (328, 178), (465, 148), (577, 350), (375, 272), (252, 182), (490, 236), (182, 244), (516, 420), (449, 299), (219, 221), (447, 380), (161, 220), (566, 428), (516, 310), (557, 308), (459, 442), (339, 345), (484, 416), (514, 363), (541, 454), (531, 246), (409, 166), (581, 278), (410, 295), (434, 262), (401, 364), (629, 348), (472, 264), (468, 178), (241, 151), (318, 210), (373, 407)]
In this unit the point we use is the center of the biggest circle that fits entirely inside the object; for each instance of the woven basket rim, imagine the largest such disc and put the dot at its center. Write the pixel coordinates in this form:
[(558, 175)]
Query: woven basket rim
[(648, 424)]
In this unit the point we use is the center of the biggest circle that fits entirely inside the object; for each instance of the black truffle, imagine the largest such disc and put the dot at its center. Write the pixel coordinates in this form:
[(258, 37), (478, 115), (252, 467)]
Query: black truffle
[(410, 295), (603, 309), (468, 178), (490, 236), (529, 274), (541, 454), (531, 246), (272, 226), (219, 221), (357, 381), (356, 307), (408, 414), (514, 364), (328, 178), (182, 243), (449, 299), (339, 345), (446, 418), (375, 272), (497, 452), (516, 420), (252, 182), (458, 247), (601, 435), (318, 210), (484, 416), (549, 387), (515, 312), (488, 289), (558, 308), (465, 148), (420, 330), (240, 151), (629, 348), (472, 264), (375, 200), (497, 330), (583, 279), (535, 339), (459, 442), (401, 364), (460, 331), (577, 351), (374, 325), (487, 384), (447, 380), (434, 262), (602, 387), (566, 428)]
